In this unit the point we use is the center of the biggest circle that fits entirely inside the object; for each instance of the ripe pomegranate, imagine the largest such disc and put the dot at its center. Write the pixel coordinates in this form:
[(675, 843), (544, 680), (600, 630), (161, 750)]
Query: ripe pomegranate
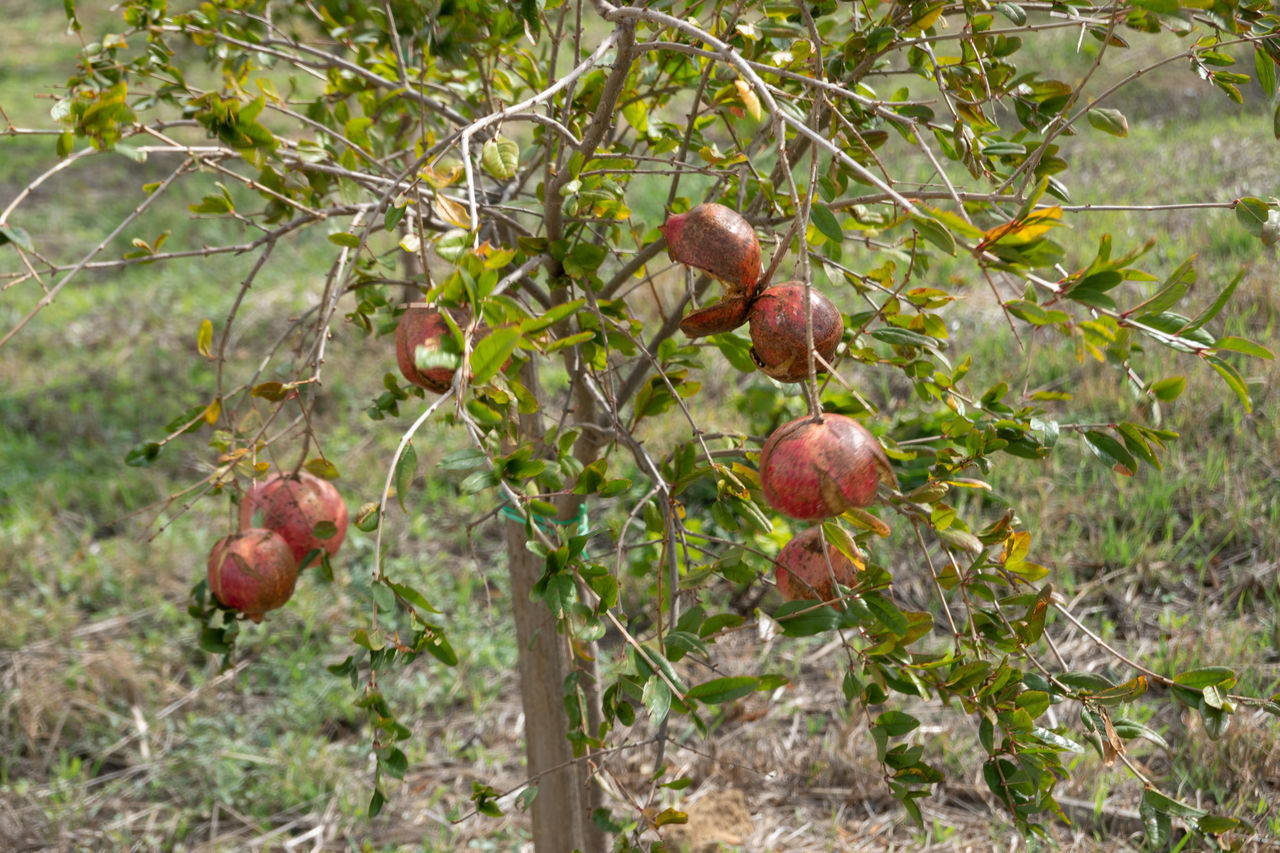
[(422, 325), (801, 568), (723, 316), (813, 469), (777, 330), (252, 571), (294, 506), (718, 241)]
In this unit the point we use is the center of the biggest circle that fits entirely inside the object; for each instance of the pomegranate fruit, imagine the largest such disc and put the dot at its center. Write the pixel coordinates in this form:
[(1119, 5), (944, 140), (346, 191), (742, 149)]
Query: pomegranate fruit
[(777, 321), (813, 469), (801, 568), (422, 325), (724, 316), (295, 506), (252, 571), (718, 241)]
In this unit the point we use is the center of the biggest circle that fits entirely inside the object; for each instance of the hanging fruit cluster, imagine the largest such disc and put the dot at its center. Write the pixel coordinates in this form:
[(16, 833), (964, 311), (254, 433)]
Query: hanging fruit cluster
[(303, 520), (814, 467)]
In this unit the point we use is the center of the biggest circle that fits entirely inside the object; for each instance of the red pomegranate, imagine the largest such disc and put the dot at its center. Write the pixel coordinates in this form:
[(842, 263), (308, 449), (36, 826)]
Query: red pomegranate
[(778, 330), (723, 316), (717, 240), (252, 571), (801, 568), (422, 325), (293, 507), (813, 469)]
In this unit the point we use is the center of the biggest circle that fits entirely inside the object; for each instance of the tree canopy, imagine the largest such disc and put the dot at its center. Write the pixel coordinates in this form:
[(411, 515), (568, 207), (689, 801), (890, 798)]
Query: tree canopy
[(511, 165)]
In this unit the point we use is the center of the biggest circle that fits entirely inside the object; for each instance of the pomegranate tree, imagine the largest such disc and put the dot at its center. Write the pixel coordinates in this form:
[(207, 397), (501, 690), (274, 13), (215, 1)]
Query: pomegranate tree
[(252, 571), (813, 468), (804, 568), (777, 321)]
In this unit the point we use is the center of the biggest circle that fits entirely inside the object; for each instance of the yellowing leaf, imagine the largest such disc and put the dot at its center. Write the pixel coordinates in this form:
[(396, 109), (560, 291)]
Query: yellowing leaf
[(1033, 225), (452, 212), (204, 340), (322, 468), (410, 243), (748, 98), (441, 177), (213, 411), (930, 17)]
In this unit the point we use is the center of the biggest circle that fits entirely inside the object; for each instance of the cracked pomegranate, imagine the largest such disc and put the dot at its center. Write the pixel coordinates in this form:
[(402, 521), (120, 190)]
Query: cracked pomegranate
[(778, 330), (720, 242), (252, 571)]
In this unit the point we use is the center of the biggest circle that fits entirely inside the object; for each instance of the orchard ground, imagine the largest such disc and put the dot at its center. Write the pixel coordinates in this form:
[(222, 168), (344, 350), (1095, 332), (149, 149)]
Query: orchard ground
[(120, 733)]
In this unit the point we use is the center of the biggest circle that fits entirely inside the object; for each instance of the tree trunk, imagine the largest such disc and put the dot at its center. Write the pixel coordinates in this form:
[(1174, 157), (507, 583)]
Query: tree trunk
[(561, 811)]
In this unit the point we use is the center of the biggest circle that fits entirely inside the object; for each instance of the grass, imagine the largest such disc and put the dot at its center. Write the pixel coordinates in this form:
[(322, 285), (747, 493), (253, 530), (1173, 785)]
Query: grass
[(122, 735)]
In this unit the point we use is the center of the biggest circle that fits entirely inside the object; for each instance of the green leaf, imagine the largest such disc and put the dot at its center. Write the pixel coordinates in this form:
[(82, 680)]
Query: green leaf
[(551, 316), (18, 236), (887, 613), (142, 455), (936, 233), (500, 157), (438, 647), (1265, 68), (1013, 12), (657, 698), (1209, 676), (213, 641), (376, 802), (395, 764), (1218, 304), (901, 337), (492, 352), (406, 470), (1252, 214), (1233, 379), (345, 239), (1169, 389), (1054, 739), (802, 619), (1109, 121), (723, 690), (1169, 806), (1241, 345), (637, 115), (1162, 7), (1112, 452), (1216, 824), (584, 259), (826, 223), (1129, 730), (1090, 681), (896, 723), (1157, 825)]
